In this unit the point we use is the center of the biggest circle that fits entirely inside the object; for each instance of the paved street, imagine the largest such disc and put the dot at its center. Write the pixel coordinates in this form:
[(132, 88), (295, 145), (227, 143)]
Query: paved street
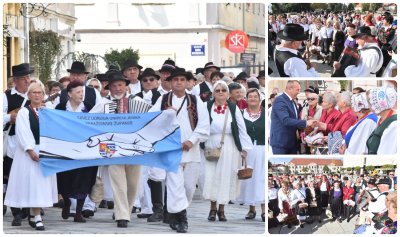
[(326, 227), (102, 223), (323, 69)]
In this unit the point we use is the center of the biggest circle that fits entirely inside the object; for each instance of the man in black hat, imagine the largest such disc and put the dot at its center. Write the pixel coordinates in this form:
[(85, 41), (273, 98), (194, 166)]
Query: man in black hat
[(78, 72), (364, 202), (378, 210), (241, 78), (194, 123), (149, 80), (371, 57), (131, 71), (165, 72), (13, 100), (104, 81), (288, 59), (204, 89), (191, 83)]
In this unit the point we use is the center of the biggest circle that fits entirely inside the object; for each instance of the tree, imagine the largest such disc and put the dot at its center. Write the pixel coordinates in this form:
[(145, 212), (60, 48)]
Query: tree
[(343, 84), (388, 167), (350, 7), (269, 164), (369, 168), (44, 46), (365, 7), (315, 6), (326, 169), (375, 6), (357, 169), (118, 58)]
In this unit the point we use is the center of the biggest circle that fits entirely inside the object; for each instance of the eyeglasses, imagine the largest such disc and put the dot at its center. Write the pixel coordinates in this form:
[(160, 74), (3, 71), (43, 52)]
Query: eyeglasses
[(148, 80), (311, 99), (220, 90), (391, 174), (96, 87)]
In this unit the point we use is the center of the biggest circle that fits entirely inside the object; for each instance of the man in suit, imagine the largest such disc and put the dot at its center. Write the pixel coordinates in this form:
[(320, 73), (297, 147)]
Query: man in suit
[(285, 120)]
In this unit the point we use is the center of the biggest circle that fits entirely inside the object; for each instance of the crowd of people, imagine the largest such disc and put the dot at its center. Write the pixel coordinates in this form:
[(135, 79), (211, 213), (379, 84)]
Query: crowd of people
[(347, 122), (354, 45), (303, 199), (208, 106)]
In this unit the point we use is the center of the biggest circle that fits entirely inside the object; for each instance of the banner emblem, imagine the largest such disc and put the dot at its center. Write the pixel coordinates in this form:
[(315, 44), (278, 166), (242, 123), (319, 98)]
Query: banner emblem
[(106, 150)]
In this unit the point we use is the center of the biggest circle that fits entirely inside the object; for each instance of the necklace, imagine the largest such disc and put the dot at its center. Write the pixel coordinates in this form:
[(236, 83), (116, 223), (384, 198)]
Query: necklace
[(254, 115), (219, 109)]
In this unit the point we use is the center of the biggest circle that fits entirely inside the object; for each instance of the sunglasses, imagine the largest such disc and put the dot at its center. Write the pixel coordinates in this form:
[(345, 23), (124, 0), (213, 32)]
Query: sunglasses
[(146, 80), (311, 99), (220, 90)]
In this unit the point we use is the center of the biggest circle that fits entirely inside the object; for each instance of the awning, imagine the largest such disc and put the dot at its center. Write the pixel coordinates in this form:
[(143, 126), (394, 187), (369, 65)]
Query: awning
[(16, 33)]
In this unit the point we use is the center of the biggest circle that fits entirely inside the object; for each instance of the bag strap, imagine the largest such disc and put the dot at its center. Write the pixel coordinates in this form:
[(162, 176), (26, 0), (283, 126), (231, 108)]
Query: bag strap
[(244, 162), (224, 129), (22, 105)]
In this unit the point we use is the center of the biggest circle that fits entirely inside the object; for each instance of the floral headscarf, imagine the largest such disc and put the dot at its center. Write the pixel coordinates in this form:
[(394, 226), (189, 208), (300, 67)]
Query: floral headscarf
[(382, 98), (359, 101)]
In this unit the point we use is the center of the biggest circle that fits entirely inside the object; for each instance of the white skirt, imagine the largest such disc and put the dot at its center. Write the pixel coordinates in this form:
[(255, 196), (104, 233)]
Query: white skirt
[(27, 186), (221, 181), (252, 191)]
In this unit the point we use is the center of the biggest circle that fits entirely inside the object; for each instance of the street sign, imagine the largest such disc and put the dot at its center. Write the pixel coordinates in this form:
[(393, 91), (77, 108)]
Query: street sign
[(248, 58), (198, 50), (237, 41)]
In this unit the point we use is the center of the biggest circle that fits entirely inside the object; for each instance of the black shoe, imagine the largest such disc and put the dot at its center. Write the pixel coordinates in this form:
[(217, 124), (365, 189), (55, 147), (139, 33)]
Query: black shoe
[(250, 215), (182, 227), (339, 220), (263, 217), (17, 220), (4, 209), (156, 217), (142, 216), (134, 209), (230, 202), (110, 204), (87, 213), (79, 218), (348, 219), (103, 204), (212, 215), (289, 226), (221, 216), (113, 216), (166, 217), (319, 221), (31, 223), (122, 223), (39, 227), (41, 212), (301, 225)]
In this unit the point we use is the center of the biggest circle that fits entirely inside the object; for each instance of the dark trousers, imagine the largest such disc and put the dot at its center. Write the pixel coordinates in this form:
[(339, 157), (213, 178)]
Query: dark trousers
[(284, 151)]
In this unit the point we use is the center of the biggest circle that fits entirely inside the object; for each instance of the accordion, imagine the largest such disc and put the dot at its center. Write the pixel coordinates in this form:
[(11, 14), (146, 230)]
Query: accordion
[(127, 105), (348, 57)]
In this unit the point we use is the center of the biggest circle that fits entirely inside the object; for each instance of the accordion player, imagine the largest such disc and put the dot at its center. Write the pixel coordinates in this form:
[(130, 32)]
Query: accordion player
[(349, 56), (131, 104)]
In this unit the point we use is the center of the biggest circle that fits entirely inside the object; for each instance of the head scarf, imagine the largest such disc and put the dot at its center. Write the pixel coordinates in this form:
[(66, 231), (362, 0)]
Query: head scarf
[(382, 98), (359, 102)]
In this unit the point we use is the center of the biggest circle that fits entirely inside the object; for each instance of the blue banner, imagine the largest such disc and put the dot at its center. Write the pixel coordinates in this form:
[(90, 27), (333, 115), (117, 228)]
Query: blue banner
[(73, 140)]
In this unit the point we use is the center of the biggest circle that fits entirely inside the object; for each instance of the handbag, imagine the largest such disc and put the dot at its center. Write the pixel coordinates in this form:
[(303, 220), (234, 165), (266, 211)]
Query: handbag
[(282, 217), (5, 140), (214, 154), (245, 172), (97, 193)]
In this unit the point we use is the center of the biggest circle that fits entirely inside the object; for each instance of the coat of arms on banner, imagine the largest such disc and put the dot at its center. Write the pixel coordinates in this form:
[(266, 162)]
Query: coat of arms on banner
[(106, 150)]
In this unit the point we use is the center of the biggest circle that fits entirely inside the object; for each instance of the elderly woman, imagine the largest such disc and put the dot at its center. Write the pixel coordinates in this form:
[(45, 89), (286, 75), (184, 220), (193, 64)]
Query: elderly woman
[(348, 200), (355, 140), (346, 118), (284, 203), (383, 139), (94, 83), (299, 200), (27, 186), (221, 180), (391, 205), (252, 190), (330, 115), (313, 110), (75, 183), (336, 201)]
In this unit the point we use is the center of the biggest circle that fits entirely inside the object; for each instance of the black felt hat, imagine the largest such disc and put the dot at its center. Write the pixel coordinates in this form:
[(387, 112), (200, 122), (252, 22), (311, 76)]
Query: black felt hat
[(22, 69), (113, 76), (149, 72), (130, 63), (102, 77), (168, 66), (261, 74), (292, 32), (241, 76), (363, 30), (210, 65), (383, 181), (178, 72), (77, 67)]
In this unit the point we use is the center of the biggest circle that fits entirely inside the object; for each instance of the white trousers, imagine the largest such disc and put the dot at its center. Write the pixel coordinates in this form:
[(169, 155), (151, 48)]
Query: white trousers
[(105, 177), (156, 174), (181, 186), (202, 172), (144, 195), (88, 205)]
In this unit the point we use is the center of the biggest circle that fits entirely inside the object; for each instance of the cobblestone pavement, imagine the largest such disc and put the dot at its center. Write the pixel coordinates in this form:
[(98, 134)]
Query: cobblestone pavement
[(102, 223)]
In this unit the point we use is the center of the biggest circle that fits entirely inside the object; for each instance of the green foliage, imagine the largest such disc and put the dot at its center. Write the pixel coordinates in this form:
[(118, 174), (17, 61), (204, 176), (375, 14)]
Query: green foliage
[(388, 167), (369, 168), (350, 7), (118, 58), (322, 6), (348, 169), (375, 6), (343, 84), (44, 47), (365, 7), (290, 7), (326, 169), (357, 168), (287, 170)]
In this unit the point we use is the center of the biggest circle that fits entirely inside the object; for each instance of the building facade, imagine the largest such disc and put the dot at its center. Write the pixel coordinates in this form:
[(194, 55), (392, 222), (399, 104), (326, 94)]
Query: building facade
[(314, 166), (189, 33)]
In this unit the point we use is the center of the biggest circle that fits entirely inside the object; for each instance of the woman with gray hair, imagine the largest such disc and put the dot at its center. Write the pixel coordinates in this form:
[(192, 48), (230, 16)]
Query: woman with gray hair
[(330, 115), (221, 180), (355, 140), (27, 186), (383, 139), (94, 83), (346, 118)]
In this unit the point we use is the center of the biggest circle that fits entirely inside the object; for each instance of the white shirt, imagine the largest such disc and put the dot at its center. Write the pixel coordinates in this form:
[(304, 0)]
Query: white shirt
[(196, 88), (388, 145), (162, 90), (296, 195), (296, 67), (135, 88), (147, 96), (326, 32), (199, 134), (80, 107), (368, 63), (323, 187), (272, 194), (283, 197), (358, 141)]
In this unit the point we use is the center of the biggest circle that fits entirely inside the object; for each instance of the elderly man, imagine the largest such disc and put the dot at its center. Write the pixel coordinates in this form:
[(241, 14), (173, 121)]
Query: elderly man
[(195, 128), (165, 72), (131, 71), (149, 80), (13, 100), (371, 57), (378, 211), (287, 58), (204, 89), (285, 120)]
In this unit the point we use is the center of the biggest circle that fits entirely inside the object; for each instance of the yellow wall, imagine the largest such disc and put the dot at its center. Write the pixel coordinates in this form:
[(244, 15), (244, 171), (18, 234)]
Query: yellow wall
[(13, 10)]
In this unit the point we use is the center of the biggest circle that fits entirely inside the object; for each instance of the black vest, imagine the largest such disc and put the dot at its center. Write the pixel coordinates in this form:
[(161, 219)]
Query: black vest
[(281, 57), (34, 123), (234, 126), (256, 129), (14, 102), (90, 96), (154, 98), (205, 93)]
